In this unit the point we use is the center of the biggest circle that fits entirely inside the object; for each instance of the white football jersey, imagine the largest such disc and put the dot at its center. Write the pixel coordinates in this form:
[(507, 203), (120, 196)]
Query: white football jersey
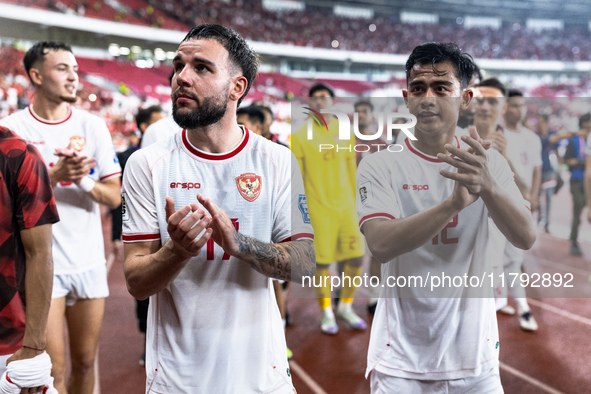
[(216, 327), (446, 333), (524, 151), (160, 130), (78, 237)]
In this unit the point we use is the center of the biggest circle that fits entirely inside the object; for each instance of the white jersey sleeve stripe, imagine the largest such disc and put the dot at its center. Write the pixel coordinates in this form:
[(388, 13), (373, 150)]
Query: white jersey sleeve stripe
[(298, 236), (140, 237), (110, 176), (381, 215)]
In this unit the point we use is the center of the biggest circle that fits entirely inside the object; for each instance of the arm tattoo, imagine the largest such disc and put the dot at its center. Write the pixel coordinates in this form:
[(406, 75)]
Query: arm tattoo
[(285, 261)]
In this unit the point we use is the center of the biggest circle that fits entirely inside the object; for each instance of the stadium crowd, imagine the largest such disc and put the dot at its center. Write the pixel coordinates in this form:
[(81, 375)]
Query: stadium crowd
[(313, 27)]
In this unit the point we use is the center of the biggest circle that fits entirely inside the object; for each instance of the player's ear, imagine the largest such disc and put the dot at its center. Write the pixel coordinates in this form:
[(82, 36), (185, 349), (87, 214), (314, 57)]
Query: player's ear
[(238, 87), (405, 96), (35, 76), (466, 98)]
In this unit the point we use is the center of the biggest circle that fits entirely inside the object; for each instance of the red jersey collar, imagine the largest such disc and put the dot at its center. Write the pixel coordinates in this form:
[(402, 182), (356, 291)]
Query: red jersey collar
[(424, 156), (50, 122), (215, 156)]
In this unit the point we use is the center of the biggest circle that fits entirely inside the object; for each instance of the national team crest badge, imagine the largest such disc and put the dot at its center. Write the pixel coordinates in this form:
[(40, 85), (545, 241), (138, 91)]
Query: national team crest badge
[(77, 143), (249, 186)]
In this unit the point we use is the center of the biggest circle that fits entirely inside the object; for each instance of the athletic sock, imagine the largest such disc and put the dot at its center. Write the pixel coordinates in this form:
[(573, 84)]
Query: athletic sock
[(349, 289), (322, 292), (522, 306)]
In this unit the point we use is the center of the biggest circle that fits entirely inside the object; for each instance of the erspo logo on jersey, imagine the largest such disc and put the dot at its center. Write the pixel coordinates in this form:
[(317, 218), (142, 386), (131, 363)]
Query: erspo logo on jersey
[(185, 185), (415, 187)]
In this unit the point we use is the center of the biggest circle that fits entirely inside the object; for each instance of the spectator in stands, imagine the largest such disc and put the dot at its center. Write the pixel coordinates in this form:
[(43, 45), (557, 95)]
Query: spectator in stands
[(575, 158)]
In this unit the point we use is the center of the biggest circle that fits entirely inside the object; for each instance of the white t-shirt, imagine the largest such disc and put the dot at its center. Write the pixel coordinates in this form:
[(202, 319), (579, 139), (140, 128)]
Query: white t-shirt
[(415, 335), (216, 327), (160, 130), (78, 236), (524, 151)]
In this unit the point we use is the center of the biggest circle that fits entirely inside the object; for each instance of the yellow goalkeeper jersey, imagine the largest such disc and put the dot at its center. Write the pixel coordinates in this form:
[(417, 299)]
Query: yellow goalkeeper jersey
[(329, 176)]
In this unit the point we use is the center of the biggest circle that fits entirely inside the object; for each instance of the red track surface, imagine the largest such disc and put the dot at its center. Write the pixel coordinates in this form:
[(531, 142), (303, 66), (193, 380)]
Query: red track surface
[(555, 359)]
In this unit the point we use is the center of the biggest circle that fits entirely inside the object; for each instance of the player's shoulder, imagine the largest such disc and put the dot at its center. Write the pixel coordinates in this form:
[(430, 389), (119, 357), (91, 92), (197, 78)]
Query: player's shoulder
[(267, 147), (15, 118), (383, 160), (531, 135), (9, 140), (153, 152), (82, 115), (166, 123)]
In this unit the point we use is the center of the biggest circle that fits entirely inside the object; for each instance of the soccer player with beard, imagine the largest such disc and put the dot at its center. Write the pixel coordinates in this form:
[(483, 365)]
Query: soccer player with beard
[(84, 173), (211, 215)]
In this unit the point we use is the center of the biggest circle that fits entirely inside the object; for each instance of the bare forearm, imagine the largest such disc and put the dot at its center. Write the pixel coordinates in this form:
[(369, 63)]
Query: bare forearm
[(521, 185), (285, 261), (38, 285), (515, 222), (537, 181), (107, 193), (388, 239), (147, 274)]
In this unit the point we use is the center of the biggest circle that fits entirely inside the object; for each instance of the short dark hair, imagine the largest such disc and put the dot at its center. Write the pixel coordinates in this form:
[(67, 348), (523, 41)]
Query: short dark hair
[(254, 113), (144, 114), (477, 73), (584, 119), (363, 102), (39, 50), (433, 53), (241, 55), (266, 108), (514, 93), (543, 116), (321, 86), (494, 83)]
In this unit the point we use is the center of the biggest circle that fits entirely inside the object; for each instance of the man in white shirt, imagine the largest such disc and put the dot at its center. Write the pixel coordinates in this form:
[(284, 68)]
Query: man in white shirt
[(425, 211), (159, 130), (523, 150), (211, 215), (84, 173)]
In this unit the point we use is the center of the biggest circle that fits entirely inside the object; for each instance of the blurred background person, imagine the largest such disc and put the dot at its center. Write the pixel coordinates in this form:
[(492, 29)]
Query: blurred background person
[(144, 118), (574, 158)]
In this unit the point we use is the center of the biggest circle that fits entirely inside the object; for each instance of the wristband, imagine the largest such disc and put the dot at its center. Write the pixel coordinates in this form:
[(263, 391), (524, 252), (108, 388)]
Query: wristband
[(86, 184)]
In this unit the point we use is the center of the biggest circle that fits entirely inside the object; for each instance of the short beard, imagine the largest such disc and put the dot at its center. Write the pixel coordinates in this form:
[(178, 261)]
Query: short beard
[(69, 99), (208, 113)]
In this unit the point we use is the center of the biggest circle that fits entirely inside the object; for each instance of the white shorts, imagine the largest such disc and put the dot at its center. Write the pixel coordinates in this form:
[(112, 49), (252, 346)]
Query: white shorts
[(3, 363), (489, 382), (81, 285)]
